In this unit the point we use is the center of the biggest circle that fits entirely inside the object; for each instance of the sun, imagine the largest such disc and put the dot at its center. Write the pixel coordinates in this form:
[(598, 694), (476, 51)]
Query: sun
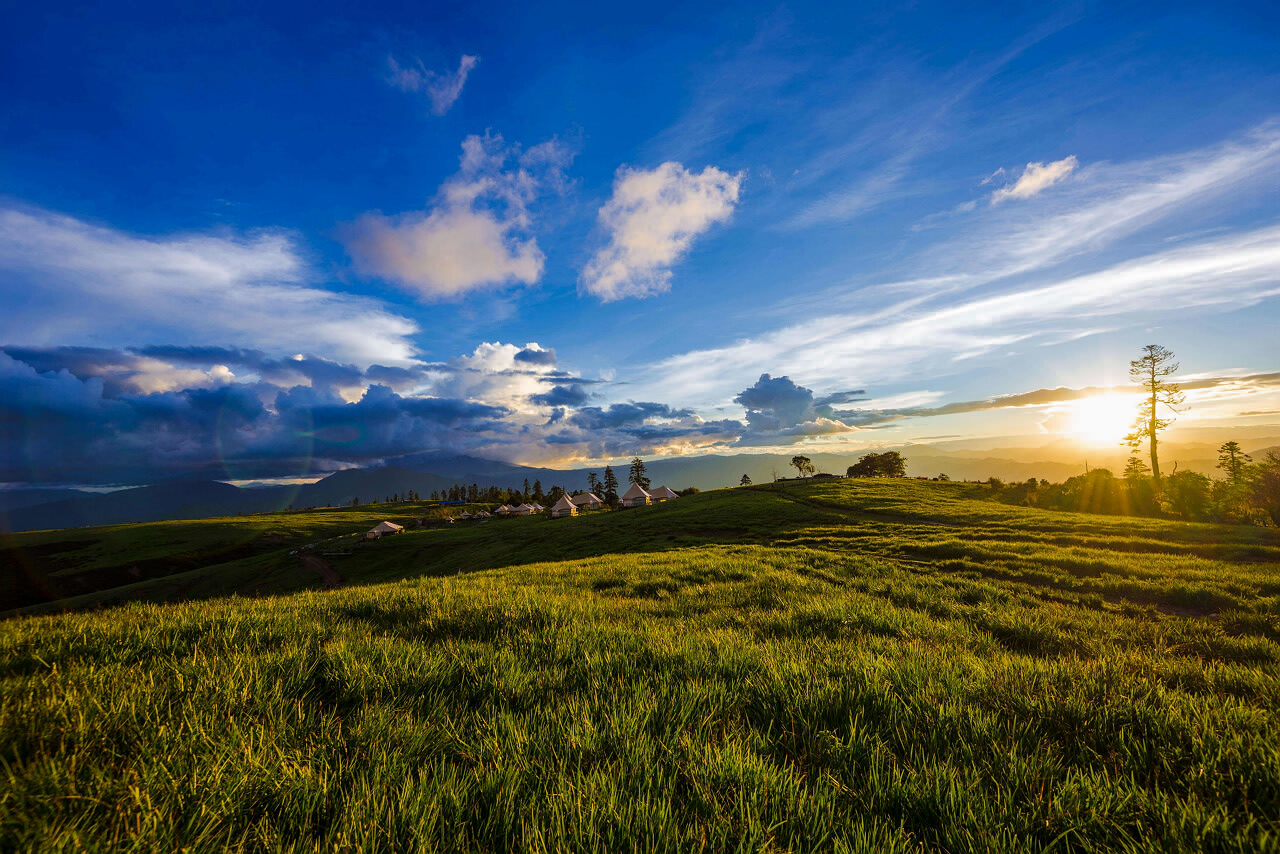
[(1104, 419)]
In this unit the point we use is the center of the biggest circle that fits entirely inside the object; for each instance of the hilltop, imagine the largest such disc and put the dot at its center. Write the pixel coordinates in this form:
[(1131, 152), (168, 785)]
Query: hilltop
[(887, 665)]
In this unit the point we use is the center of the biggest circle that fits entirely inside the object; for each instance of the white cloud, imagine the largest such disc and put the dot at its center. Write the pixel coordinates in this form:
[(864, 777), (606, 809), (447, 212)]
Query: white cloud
[(835, 349), (495, 374), (444, 253), (994, 176), (441, 88), (1109, 201), (652, 219), (68, 281), (1036, 178), (476, 235)]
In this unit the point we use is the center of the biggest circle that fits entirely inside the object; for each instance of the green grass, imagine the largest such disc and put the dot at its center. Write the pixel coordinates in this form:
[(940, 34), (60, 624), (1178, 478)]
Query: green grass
[(871, 666), (181, 559)]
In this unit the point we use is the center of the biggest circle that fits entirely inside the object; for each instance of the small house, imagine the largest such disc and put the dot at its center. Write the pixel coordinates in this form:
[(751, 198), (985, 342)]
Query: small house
[(662, 493), (636, 497), (587, 501), (383, 529), (564, 507)]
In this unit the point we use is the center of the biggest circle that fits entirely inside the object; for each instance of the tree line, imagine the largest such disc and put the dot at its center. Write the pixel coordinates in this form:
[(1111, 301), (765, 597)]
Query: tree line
[(605, 487), (1245, 492)]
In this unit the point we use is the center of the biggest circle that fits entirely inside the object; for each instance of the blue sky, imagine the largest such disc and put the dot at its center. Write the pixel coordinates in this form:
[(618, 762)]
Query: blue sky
[(951, 212)]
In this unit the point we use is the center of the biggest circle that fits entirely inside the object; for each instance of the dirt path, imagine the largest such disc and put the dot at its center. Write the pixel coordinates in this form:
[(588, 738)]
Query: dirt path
[(324, 569)]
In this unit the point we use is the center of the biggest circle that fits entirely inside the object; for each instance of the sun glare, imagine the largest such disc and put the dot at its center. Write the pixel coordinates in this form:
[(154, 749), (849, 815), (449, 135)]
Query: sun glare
[(1104, 419)]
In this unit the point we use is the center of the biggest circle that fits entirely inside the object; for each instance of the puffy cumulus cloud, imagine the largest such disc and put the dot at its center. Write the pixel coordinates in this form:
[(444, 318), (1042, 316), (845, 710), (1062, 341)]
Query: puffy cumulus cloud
[(651, 220), (102, 287), (505, 374), (778, 409), (773, 404), (477, 234), (441, 88), (1036, 178)]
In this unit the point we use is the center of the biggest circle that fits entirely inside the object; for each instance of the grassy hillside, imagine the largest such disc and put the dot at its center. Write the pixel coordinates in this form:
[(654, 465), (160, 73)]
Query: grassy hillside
[(179, 559), (863, 666)]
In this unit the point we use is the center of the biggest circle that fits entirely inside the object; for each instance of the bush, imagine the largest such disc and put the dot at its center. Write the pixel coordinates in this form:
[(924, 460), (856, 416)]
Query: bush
[(1186, 493)]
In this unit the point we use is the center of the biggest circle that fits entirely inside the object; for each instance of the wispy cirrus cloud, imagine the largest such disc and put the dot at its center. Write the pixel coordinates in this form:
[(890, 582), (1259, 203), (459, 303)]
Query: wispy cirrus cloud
[(651, 220), (993, 285), (1109, 201), (1226, 273), (442, 88), (479, 231)]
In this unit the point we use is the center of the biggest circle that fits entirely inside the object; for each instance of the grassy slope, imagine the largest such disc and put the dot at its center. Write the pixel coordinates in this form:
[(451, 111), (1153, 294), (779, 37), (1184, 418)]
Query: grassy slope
[(185, 559), (883, 664)]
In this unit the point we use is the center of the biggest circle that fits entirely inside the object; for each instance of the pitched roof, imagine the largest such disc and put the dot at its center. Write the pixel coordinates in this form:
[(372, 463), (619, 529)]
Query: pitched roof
[(386, 528), (663, 492), (586, 498), (635, 492), (565, 503)]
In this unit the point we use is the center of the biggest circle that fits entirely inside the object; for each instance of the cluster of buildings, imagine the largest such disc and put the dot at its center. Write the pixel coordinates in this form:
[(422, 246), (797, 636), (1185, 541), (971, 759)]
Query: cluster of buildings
[(568, 505)]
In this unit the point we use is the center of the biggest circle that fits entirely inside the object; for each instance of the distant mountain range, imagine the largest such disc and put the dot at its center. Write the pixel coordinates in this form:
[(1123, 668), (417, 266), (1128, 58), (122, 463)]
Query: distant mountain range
[(40, 508)]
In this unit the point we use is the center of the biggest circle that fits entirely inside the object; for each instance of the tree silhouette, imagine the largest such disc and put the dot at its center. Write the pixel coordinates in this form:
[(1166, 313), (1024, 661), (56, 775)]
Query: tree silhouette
[(1136, 469), (610, 487), (1152, 370), (803, 465), (593, 483), (888, 464), (638, 475), (1233, 461), (746, 480), (1264, 487)]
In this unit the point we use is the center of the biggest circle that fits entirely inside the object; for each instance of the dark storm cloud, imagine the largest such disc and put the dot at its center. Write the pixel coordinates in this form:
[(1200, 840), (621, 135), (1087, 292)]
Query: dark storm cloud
[(562, 395), (536, 357), (774, 404), (56, 427), (624, 415), (123, 370)]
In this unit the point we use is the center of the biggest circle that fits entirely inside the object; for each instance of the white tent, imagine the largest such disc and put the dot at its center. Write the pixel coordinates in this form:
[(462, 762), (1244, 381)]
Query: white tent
[(503, 510), (464, 515), (564, 507), (521, 510), (383, 529), (587, 501), (635, 497), (663, 493)]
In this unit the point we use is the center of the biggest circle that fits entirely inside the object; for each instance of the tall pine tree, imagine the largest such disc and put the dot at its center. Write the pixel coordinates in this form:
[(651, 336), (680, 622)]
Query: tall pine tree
[(1152, 371), (610, 487), (638, 475)]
